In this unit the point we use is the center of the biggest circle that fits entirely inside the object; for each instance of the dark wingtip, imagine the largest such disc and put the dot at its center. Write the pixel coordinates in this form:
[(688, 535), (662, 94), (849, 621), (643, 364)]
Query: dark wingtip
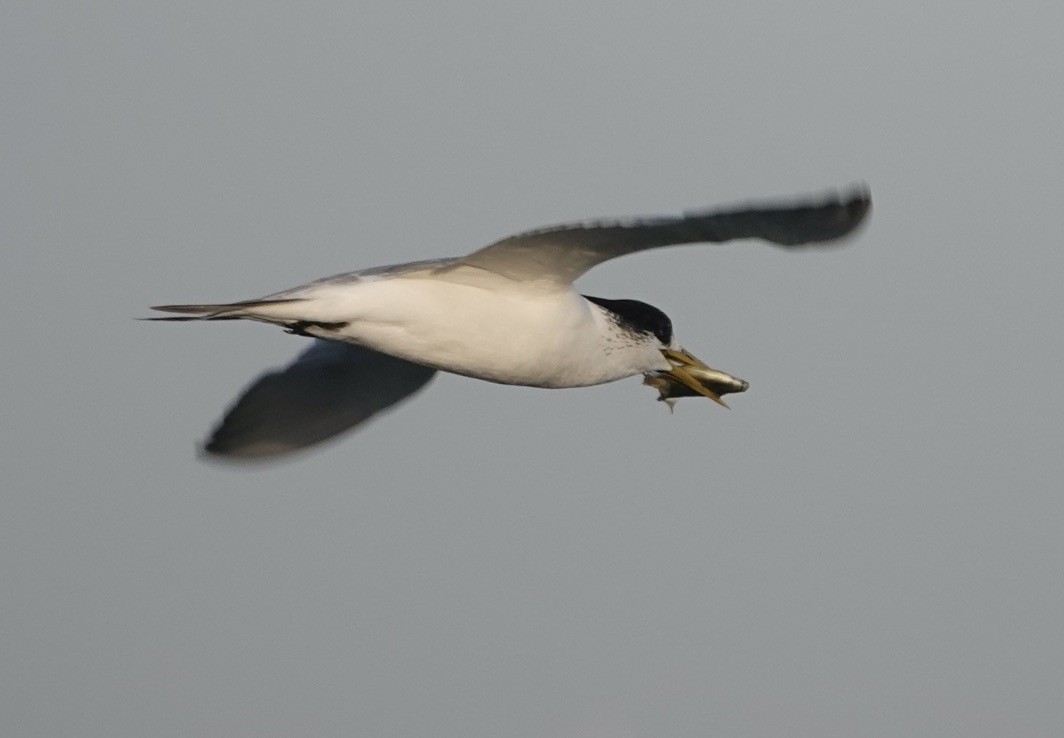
[(827, 219), (857, 202), (226, 447)]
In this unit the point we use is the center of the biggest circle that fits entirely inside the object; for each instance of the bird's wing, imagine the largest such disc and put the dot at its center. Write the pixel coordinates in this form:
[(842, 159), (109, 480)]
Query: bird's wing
[(330, 388), (560, 254)]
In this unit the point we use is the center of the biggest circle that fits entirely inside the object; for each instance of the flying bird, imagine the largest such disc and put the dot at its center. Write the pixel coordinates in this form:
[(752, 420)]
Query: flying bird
[(507, 313)]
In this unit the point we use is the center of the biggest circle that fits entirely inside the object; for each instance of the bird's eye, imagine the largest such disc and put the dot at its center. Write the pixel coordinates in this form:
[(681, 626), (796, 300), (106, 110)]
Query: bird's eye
[(663, 329)]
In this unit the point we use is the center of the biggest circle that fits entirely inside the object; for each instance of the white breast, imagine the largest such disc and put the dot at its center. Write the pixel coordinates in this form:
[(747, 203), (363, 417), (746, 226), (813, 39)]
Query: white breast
[(491, 329)]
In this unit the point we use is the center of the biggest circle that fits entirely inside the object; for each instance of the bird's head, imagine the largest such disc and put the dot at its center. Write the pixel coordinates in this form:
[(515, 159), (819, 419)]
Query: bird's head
[(684, 375)]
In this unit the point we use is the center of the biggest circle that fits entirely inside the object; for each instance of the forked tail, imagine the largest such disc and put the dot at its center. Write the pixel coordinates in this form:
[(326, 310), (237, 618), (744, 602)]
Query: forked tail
[(277, 312), (222, 311)]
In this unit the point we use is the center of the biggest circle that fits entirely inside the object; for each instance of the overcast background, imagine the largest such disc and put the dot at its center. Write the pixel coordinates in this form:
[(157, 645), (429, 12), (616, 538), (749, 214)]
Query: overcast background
[(868, 544)]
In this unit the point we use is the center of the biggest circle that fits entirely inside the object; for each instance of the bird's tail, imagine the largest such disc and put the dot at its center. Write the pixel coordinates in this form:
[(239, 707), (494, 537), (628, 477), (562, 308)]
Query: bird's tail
[(289, 312), (252, 309)]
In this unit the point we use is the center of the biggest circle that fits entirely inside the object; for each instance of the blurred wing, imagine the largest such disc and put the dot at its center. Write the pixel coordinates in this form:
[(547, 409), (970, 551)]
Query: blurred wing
[(560, 254), (330, 388)]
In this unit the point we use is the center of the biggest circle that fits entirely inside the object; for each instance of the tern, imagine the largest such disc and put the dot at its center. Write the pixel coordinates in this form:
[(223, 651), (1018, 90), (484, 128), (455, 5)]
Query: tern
[(507, 313)]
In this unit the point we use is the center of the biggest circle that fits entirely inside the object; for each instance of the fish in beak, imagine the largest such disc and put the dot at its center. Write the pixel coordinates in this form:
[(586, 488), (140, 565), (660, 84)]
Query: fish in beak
[(690, 377)]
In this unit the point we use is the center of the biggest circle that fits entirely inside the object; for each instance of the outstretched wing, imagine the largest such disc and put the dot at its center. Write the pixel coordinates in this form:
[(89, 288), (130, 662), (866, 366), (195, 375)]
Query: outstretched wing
[(330, 388), (562, 253)]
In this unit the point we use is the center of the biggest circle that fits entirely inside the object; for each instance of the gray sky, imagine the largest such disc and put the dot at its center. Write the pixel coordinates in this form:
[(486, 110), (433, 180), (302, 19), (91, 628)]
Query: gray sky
[(869, 544)]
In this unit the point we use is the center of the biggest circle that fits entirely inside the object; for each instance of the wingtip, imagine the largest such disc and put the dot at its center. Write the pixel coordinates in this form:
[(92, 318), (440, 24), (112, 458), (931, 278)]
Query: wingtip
[(240, 451), (857, 199), (838, 214), (855, 204)]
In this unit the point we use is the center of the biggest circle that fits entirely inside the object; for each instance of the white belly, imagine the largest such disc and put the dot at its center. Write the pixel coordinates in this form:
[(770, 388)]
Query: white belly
[(531, 337)]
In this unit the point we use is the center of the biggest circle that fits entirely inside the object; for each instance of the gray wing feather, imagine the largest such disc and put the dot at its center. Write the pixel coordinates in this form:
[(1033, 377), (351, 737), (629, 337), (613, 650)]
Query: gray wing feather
[(563, 253), (330, 388)]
